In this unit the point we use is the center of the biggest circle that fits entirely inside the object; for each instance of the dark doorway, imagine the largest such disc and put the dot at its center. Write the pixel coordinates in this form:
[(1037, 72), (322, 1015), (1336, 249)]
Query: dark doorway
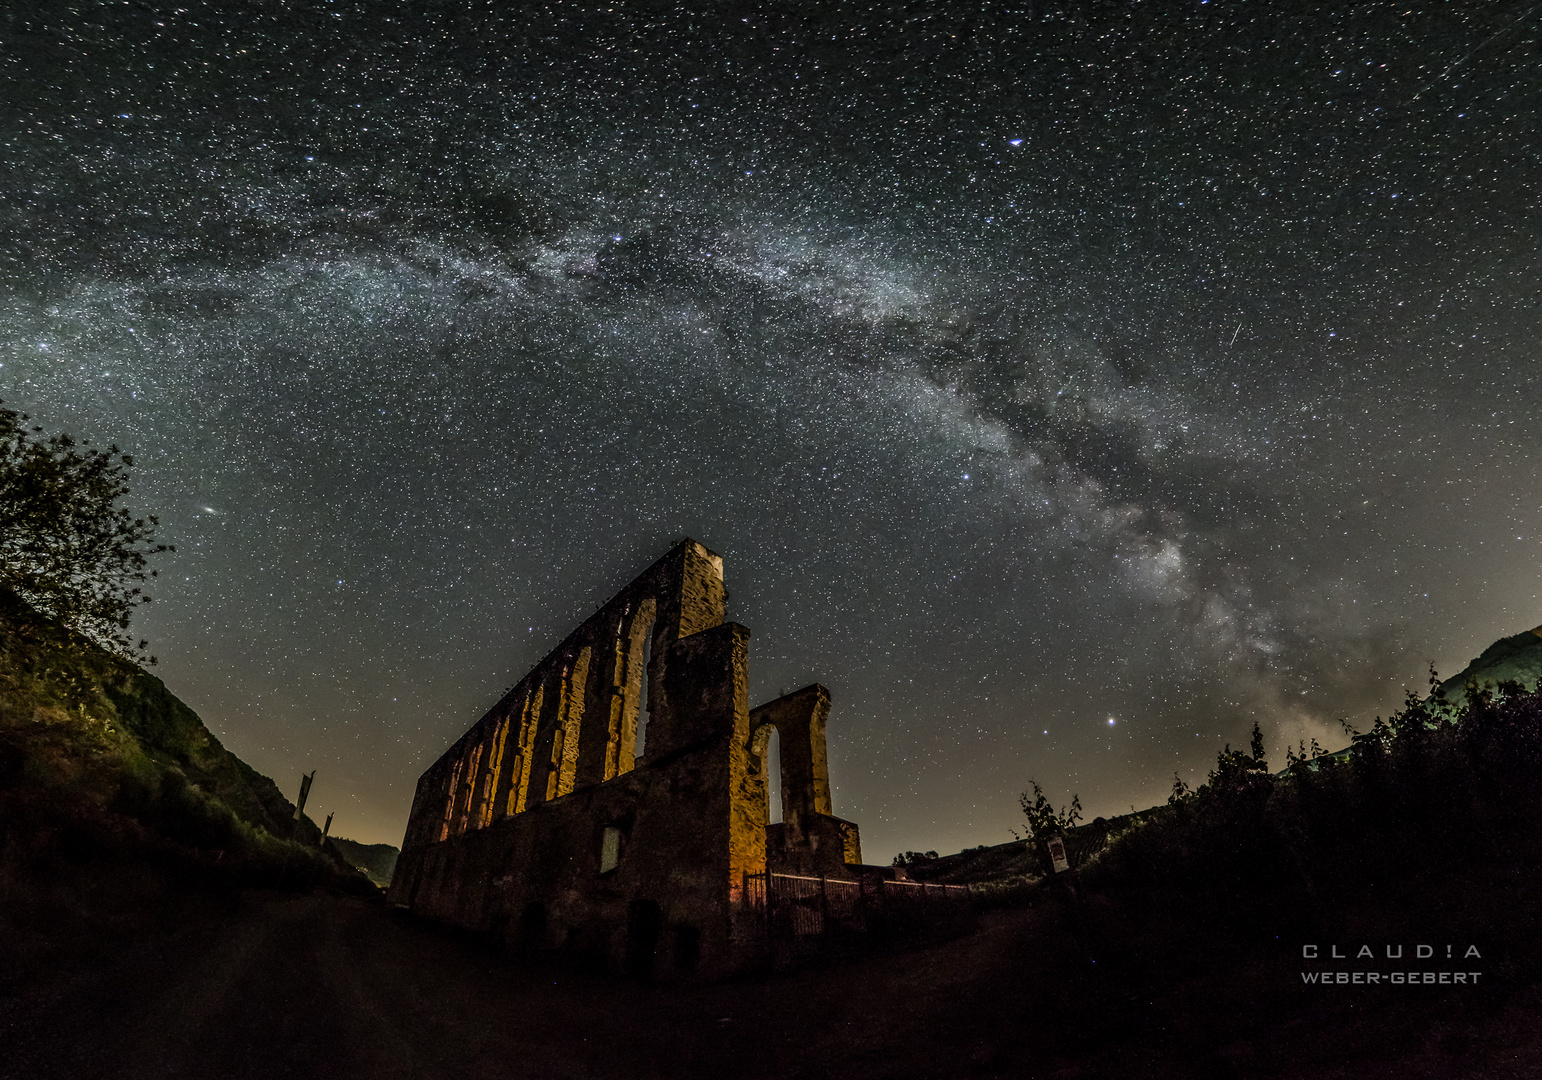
[(687, 948), (532, 928), (643, 920)]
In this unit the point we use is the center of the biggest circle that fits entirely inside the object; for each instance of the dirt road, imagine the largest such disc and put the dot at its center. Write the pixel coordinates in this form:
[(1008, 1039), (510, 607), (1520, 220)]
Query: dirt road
[(273, 986)]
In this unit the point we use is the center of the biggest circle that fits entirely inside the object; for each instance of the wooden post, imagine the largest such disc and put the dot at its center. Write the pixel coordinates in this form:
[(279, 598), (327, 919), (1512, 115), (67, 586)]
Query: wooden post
[(770, 924)]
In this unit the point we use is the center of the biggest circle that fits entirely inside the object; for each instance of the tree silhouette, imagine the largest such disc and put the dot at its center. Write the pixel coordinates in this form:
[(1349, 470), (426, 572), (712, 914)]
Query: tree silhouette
[(66, 546)]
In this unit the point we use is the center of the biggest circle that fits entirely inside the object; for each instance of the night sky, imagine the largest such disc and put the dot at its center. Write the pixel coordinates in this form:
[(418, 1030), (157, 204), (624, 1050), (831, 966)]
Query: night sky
[(1066, 386)]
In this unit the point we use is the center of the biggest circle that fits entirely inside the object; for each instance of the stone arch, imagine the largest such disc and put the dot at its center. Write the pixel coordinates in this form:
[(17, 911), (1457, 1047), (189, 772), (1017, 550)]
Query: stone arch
[(799, 719), (479, 802), (464, 786), (451, 789), (492, 783), (650, 661), (555, 724), (567, 739), (764, 768), (630, 686), (511, 731), (760, 738)]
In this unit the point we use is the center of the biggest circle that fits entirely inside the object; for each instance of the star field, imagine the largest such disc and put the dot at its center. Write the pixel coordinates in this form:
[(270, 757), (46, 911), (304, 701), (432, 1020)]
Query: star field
[(1066, 386)]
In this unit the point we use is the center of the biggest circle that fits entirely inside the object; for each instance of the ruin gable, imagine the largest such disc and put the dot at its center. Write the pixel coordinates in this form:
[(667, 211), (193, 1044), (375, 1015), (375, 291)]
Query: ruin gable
[(613, 804)]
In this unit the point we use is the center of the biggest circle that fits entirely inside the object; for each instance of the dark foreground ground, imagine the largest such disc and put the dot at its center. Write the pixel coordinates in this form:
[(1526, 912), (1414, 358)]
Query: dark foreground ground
[(271, 985)]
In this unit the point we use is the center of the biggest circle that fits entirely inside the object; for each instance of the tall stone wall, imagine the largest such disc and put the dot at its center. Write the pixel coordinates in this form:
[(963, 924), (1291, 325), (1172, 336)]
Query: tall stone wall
[(544, 827)]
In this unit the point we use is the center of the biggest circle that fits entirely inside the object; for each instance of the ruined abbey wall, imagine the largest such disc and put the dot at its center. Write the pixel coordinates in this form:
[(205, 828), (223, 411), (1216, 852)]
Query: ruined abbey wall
[(543, 827)]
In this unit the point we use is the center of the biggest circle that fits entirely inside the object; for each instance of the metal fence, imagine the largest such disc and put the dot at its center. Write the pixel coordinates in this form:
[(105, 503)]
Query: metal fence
[(806, 917)]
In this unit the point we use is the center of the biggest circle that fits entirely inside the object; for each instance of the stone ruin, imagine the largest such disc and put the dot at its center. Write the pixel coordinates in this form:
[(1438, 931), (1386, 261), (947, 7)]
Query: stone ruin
[(556, 825)]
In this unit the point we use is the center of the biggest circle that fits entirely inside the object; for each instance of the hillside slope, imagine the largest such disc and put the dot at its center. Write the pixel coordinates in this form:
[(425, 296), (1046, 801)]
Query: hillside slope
[(1513, 659), (99, 762), (378, 861)]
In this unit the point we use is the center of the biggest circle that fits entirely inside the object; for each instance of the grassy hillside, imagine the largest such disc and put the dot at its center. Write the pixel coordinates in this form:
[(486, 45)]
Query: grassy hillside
[(1428, 798), (107, 778), (1516, 659), (1426, 829), (378, 861), (1454, 736)]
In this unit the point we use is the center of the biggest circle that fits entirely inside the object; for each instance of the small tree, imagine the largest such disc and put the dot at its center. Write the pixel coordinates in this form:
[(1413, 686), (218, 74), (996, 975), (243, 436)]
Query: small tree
[(1233, 767), (1256, 748), (66, 546), (1181, 791), (1045, 821)]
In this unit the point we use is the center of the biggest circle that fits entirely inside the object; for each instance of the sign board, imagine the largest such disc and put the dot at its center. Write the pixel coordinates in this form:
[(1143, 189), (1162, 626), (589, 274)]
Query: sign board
[(305, 789), (1057, 854)]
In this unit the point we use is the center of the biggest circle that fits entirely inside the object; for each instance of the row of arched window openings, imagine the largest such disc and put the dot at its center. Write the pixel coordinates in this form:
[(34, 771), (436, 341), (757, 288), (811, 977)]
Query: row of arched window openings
[(493, 777)]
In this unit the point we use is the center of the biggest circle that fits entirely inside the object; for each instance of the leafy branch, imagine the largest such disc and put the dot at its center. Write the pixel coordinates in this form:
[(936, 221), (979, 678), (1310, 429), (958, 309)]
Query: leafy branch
[(66, 545)]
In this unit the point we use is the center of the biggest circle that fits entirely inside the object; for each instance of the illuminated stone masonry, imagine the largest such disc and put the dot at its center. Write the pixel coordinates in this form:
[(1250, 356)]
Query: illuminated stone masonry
[(613, 805)]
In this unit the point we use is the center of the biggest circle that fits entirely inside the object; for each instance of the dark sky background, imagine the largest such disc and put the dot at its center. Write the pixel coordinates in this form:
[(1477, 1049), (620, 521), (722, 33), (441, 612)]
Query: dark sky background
[(1066, 386)]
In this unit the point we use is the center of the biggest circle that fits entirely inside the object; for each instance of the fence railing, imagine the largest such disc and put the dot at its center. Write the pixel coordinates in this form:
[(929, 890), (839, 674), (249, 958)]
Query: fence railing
[(807, 916)]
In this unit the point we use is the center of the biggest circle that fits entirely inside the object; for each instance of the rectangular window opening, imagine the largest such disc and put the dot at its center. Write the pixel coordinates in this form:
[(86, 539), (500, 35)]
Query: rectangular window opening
[(610, 849)]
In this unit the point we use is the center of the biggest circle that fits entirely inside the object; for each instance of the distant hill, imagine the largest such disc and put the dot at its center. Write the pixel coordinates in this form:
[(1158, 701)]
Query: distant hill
[(1012, 860), (378, 861), (1511, 659), (101, 764)]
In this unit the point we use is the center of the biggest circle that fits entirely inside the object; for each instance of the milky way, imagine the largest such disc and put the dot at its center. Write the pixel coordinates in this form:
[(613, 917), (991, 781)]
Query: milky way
[(1066, 386)]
